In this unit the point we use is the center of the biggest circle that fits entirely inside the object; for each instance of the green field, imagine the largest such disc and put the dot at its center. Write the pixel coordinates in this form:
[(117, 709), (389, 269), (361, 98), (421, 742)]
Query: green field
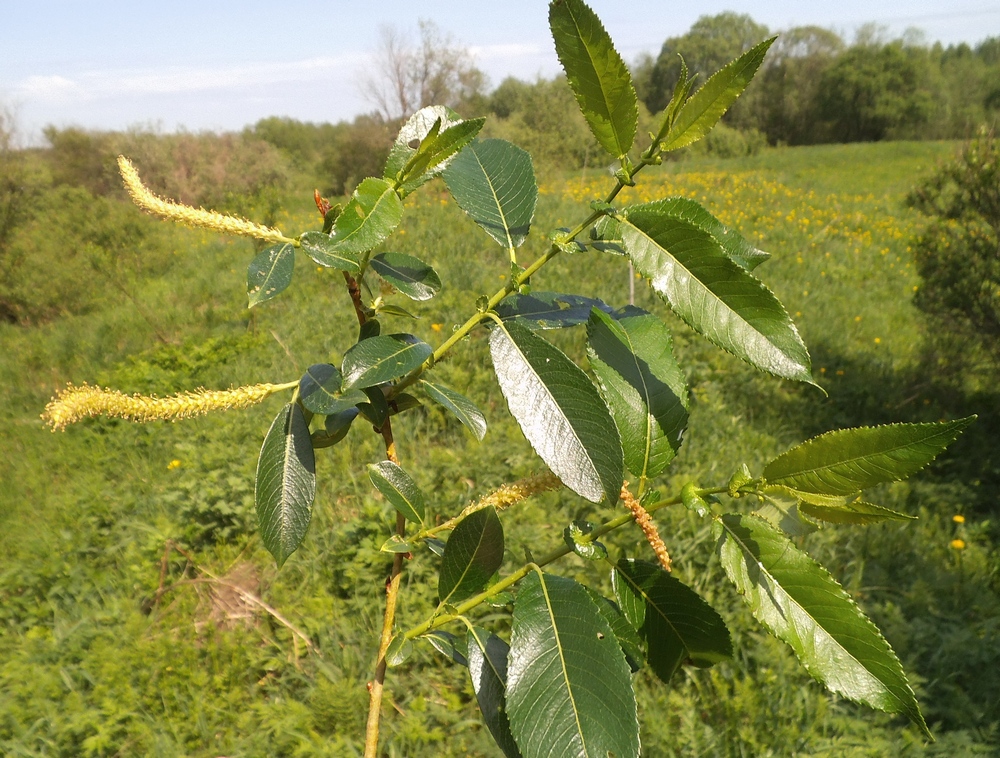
[(95, 662)]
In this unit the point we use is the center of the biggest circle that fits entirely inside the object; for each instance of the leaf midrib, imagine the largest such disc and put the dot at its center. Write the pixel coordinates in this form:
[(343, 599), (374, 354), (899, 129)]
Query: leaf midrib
[(775, 584)]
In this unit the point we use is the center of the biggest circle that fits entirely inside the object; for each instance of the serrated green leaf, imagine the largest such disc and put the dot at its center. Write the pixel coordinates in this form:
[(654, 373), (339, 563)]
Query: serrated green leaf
[(689, 269), (645, 389), (383, 358), (849, 460), (606, 236), (473, 553), (569, 688), (326, 252), (857, 512), (493, 181), (320, 391), (408, 274), (374, 211), (560, 412), (733, 243), (548, 310), (706, 106), (596, 73), (412, 136), (460, 406), (800, 603), (398, 651), (436, 151), (285, 483), (676, 624), (270, 273), (626, 634), (488, 669), (399, 489)]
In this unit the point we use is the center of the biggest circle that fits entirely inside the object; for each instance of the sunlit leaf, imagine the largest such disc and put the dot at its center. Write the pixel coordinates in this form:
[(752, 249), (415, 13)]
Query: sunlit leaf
[(409, 275), (320, 391), (399, 489), (373, 212), (269, 273), (488, 669), (383, 358), (848, 460), (689, 269), (326, 252), (560, 412), (596, 73), (800, 603), (460, 406), (548, 310)]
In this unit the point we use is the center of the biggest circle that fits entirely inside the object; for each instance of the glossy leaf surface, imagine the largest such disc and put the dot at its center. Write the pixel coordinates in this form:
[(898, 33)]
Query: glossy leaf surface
[(856, 512), (706, 106), (413, 136), (800, 603), (460, 406), (326, 252), (320, 391), (372, 214), (493, 181), (382, 359), (399, 489), (408, 274), (270, 273), (676, 624), (488, 669), (716, 297), (596, 73), (560, 412), (285, 483), (735, 244), (472, 555), (846, 461), (569, 688), (628, 637), (548, 310), (631, 356)]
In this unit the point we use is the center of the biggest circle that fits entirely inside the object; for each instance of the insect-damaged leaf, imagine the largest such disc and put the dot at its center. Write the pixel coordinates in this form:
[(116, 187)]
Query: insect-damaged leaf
[(270, 273), (560, 412), (285, 483)]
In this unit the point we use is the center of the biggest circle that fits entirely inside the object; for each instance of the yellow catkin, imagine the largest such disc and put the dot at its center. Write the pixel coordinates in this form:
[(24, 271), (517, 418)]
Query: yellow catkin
[(77, 403), (645, 522), (511, 494), (185, 214)]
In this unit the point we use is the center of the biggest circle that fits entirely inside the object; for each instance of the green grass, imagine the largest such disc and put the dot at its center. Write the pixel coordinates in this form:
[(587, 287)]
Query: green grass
[(91, 665)]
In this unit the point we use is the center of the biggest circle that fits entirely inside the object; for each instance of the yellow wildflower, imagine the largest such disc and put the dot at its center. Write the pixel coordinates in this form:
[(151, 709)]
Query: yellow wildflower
[(958, 518), (958, 544), (173, 465)]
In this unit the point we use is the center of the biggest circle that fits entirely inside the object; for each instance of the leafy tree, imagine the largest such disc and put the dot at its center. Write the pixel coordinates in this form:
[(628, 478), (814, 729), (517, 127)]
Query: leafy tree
[(710, 43), (407, 76), (873, 92), (958, 256)]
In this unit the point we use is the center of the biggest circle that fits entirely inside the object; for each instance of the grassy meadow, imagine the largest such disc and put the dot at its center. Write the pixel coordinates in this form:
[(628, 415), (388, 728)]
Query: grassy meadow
[(111, 644)]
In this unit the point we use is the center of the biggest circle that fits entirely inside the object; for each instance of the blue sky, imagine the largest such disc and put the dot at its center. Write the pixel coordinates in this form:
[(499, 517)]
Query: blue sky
[(222, 65)]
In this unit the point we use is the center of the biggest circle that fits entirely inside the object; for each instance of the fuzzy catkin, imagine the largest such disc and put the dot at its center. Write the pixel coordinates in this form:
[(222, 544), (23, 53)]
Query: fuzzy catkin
[(645, 522), (74, 404), (185, 214)]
